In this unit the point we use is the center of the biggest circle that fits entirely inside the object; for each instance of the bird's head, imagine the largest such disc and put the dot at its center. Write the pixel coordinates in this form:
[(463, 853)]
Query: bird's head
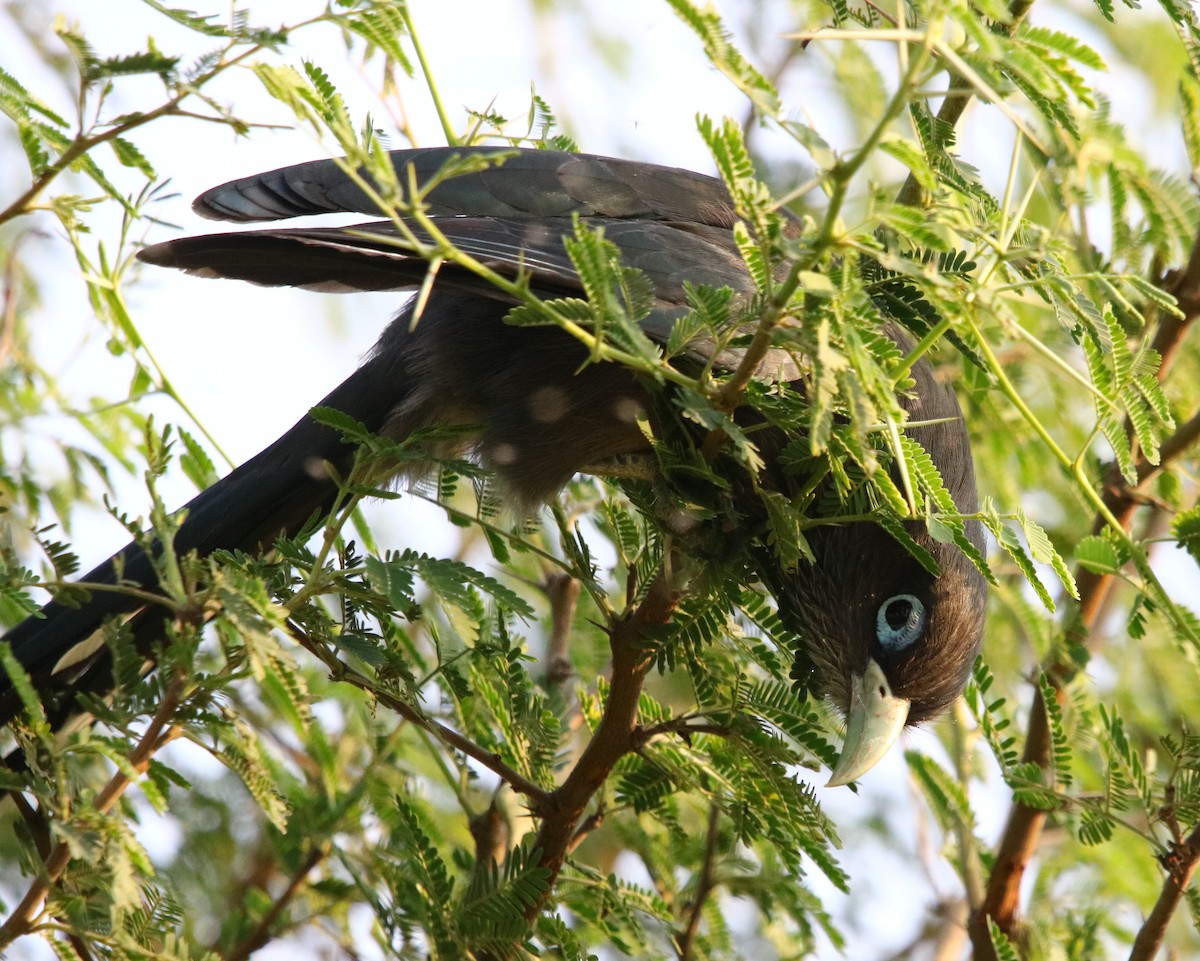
[(887, 642)]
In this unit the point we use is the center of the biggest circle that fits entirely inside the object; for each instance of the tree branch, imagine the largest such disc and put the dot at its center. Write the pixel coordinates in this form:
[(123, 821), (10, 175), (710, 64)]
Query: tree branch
[(563, 592), (157, 735), (615, 735), (262, 931), (340, 671), (1180, 863), (1022, 832), (686, 939)]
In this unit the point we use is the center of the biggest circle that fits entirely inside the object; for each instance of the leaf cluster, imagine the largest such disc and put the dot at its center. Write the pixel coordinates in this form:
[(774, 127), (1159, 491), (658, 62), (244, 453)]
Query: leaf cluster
[(337, 729)]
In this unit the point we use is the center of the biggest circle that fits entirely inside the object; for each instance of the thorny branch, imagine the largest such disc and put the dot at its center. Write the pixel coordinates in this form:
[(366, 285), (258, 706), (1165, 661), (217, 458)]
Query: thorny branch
[(448, 736), (1180, 863), (158, 734), (1023, 830), (616, 734)]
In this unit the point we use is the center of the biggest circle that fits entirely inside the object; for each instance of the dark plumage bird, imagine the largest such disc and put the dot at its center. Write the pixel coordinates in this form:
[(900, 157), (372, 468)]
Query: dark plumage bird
[(889, 643)]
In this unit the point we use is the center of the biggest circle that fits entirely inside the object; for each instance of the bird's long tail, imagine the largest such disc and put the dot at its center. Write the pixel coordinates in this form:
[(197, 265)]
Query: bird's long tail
[(275, 493)]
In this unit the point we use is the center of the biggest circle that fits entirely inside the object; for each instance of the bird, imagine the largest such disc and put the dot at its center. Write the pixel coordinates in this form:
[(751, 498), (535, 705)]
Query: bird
[(889, 642)]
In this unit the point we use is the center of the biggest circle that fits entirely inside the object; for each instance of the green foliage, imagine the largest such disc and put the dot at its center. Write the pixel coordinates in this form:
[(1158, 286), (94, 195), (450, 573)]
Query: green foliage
[(725, 56), (339, 731), (992, 723), (1004, 948), (1185, 527)]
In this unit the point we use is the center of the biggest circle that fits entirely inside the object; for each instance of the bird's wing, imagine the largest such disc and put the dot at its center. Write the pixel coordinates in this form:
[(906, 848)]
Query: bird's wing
[(671, 224), (518, 184), (375, 256), (510, 218)]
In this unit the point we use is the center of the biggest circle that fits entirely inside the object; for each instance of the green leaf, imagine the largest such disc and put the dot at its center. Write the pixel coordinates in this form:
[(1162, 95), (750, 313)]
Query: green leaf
[(1185, 527), (132, 64), (894, 526), (1063, 44), (823, 155), (946, 796), (911, 156), (196, 463), (242, 753), (383, 26), (719, 48), (1004, 948), (394, 581), (129, 155), (452, 581), (19, 678), (1189, 95), (1044, 553), (992, 723), (1061, 754), (1097, 555)]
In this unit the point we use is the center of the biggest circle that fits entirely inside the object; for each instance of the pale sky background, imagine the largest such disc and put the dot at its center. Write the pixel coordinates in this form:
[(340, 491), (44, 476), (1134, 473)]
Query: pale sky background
[(224, 344)]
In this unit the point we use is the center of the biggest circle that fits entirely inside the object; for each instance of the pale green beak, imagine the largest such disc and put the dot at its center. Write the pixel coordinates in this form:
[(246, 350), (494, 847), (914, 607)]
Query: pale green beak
[(875, 720)]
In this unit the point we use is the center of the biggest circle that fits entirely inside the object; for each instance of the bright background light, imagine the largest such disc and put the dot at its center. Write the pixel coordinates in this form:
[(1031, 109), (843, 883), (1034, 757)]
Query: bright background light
[(250, 361)]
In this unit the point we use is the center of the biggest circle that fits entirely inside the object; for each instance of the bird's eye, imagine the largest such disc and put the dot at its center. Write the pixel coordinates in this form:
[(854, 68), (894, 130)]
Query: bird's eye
[(899, 622)]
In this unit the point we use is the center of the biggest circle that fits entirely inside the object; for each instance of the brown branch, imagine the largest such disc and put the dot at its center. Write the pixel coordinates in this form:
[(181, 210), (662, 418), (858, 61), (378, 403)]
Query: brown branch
[(686, 939), (941, 937), (615, 735), (80, 947), (1180, 863), (1184, 286), (563, 591), (1018, 843), (1023, 830), (35, 820), (589, 824), (958, 96), (340, 671), (684, 726), (492, 835), (262, 931), (157, 735)]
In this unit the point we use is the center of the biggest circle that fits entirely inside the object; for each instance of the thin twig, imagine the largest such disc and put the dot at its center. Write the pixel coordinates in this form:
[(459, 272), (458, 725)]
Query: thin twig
[(686, 939), (538, 796), (563, 592), (262, 931), (589, 824), (492, 834), (684, 726), (157, 735), (81, 145), (941, 937)]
